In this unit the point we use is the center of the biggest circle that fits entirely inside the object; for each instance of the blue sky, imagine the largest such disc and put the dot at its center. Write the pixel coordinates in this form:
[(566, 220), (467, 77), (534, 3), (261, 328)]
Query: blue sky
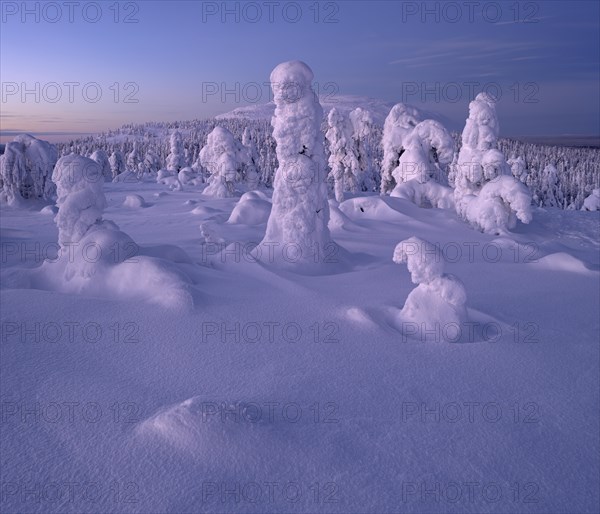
[(542, 58)]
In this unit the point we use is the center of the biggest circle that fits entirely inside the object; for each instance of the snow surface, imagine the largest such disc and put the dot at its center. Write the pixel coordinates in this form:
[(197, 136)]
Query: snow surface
[(141, 427)]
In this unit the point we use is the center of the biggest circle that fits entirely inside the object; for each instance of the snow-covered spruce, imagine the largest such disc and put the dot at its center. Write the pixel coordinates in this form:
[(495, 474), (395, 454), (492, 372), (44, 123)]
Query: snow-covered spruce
[(96, 257), (117, 163), (26, 169), (101, 157), (224, 157), (298, 222), (421, 172), (81, 202), (365, 148), (250, 169), (485, 192), (592, 202), (436, 307), (398, 124), (343, 160), (176, 158)]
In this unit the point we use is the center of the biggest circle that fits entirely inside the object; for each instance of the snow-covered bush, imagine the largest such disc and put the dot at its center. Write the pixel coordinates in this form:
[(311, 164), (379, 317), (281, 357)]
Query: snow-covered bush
[(363, 135), (420, 175), (224, 157), (176, 158), (485, 192), (26, 169), (342, 159), (437, 304), (81, 202), (300, 212), (592, 202), (101, 157), (398, 124)]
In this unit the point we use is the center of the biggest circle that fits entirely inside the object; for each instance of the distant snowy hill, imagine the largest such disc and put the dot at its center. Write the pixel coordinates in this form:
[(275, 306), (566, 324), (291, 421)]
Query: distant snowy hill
[(344, 103)]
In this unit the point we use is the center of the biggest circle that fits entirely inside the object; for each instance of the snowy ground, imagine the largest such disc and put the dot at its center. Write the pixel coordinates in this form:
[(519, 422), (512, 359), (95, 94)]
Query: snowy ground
[(120, 403)]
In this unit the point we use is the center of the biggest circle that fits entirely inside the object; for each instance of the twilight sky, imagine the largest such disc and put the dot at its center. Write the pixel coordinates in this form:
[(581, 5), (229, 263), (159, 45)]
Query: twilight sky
[(79, 67)]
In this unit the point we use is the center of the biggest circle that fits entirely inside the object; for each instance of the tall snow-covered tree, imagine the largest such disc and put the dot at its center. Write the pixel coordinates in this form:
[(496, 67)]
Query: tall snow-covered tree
[(398, 124), (81, 201), (176, 157), (343, 160), (363, 132), (485, 192), (224, 157), (117, 163), (300, 212)]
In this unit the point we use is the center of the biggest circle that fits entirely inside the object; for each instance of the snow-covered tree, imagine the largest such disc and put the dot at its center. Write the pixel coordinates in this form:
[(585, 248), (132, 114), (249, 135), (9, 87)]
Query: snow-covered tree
[(485, 192), (364, 147), (176, 158), (518, 167), (26, 169), (420, 175), (81, 202), (101, 157), (592, 202), (398, 124), (437, 304), (151, 162), (549, 186), (117, 163), (300, 212), (224, 157), (250, 171), (134, 159), (343, 160)]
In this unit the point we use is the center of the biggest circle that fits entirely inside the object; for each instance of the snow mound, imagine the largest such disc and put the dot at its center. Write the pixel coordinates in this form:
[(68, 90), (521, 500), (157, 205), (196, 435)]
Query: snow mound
[(49, 210), (371, 207), (428, 194), (203, 210), (250, 210), (562, 261), (134, 202)]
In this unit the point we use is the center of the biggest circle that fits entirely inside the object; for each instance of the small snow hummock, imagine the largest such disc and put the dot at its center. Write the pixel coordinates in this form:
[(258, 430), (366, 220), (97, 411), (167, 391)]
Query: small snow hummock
[(253, 208), (134, 202), (300, 212), (485, 192), (26, 169), (435, 310)]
